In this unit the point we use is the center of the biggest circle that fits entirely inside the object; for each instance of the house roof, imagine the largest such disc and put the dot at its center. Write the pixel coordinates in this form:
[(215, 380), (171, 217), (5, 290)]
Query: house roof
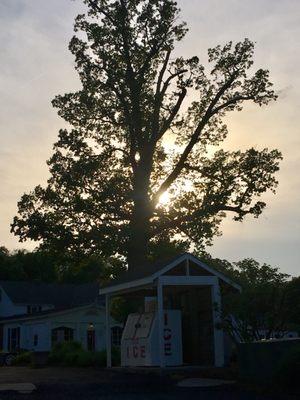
[(46, 313), (58, 295), (149, 272)]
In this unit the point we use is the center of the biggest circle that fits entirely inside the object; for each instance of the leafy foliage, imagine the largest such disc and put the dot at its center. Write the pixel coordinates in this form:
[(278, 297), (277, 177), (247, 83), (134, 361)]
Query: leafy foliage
[(72, 354), (24, 265), (109, 169), (45, 266), (23, 358), (266, 305), (293, 301)]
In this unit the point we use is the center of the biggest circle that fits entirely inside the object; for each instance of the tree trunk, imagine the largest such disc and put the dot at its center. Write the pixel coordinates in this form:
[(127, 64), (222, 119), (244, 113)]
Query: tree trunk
[(138, 239), (139, 235)]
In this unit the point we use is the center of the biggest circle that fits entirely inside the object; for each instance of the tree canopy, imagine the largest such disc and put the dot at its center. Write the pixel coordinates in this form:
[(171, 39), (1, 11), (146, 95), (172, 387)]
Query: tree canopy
[(267, 305), (111, 166), (44, 266)]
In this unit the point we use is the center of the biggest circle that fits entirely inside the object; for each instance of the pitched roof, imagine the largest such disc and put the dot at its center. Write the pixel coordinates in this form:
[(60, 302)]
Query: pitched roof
[(47, 313), (151, 271), (58, 295), (140, 273)]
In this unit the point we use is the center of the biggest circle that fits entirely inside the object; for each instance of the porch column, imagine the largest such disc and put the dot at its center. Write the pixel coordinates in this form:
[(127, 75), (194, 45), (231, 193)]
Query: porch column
[(160, 315), (108, 333), (218, 333)]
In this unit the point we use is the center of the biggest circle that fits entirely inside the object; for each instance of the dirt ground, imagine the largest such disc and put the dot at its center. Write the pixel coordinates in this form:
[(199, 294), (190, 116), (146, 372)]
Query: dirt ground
[(58, 383), (53, 375)]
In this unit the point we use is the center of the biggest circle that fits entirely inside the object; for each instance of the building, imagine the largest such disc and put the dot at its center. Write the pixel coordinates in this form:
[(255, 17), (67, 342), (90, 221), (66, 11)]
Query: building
[(183, 283), (35, 316)]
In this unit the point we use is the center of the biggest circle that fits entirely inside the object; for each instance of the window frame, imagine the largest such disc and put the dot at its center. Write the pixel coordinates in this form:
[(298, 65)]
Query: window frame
[(68, 335), (116, 335), (13, 339)]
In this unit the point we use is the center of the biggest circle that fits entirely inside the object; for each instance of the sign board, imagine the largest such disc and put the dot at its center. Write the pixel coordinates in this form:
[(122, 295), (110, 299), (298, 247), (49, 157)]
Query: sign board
[(142, 348)]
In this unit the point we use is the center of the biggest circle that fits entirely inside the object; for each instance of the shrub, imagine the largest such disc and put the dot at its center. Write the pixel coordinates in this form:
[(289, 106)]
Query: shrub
[(71, 359), (85, 359), (65, 353), (115, 356), (100, 358), (72, 354), (22, 358)]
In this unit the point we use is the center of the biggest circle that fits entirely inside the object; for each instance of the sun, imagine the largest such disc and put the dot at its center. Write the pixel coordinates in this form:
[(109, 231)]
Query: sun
[(164, 199)]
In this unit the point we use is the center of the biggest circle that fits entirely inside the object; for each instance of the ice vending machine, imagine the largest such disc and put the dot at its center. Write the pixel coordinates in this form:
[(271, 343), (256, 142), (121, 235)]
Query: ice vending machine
[(140, 341)]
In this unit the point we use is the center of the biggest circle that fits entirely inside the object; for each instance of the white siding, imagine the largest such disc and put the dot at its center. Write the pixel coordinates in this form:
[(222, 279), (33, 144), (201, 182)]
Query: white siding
[(78, 320)]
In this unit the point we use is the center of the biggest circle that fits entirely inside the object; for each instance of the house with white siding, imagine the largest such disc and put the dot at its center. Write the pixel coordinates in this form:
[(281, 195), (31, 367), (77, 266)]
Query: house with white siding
[(35, 316)]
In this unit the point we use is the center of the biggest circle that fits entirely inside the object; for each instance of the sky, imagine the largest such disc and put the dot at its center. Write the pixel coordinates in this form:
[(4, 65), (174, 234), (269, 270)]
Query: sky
[(36, 65)]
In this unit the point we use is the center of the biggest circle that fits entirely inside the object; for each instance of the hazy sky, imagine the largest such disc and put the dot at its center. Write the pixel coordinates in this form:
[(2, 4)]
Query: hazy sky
[(36, 65)]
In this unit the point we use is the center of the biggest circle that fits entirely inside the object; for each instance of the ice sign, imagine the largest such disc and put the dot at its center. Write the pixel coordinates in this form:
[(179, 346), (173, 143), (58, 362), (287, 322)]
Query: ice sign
[(141, 340), (131, 326), (144, 325)]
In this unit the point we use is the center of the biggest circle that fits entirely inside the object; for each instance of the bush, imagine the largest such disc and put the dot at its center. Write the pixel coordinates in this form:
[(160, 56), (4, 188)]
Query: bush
[(65, 353), (289, 370), (86, 359), (100, 358), (22, 358), (72, 354), (115, 356)]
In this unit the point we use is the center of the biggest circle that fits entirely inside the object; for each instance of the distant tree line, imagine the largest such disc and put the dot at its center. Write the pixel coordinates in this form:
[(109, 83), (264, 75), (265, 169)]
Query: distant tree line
[(47, 266)]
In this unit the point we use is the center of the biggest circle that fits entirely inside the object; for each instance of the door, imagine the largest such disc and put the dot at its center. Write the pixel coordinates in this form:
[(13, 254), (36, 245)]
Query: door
[(91, 340), (197, 324)]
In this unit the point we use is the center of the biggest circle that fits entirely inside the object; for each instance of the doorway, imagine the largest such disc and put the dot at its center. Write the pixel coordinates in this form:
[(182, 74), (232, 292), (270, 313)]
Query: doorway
[(91, 338), (195, 304)]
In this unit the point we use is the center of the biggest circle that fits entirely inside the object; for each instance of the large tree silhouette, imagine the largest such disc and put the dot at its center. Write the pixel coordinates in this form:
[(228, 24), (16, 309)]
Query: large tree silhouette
[(110, 168)]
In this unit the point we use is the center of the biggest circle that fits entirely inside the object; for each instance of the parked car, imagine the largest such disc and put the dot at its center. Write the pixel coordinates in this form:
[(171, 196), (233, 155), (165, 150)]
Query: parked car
[(7, 358)]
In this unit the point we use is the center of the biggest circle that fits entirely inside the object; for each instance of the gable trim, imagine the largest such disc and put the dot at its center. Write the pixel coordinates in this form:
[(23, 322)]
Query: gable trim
[(127, 285), (190, 257), (151, 278)]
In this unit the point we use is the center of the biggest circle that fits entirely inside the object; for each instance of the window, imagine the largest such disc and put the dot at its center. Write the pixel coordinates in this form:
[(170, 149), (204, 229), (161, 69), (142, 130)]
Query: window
[(62, 334), (116, 335), (13, 339), (33, 309), (35, 340)]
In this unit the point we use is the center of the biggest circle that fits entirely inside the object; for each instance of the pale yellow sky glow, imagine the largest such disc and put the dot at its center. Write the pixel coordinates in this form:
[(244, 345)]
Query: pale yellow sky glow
[(36, 65)]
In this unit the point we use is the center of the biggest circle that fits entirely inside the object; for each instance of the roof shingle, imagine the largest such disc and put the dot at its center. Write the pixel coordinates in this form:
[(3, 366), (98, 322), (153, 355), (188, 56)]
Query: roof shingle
[(58, 295)]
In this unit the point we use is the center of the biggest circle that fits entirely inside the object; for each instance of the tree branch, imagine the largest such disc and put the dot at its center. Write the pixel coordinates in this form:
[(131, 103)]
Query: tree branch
[(176, 222), (167, 123), (161, 74), (93, 4), (193, 140), (157, 102), (230, 102)]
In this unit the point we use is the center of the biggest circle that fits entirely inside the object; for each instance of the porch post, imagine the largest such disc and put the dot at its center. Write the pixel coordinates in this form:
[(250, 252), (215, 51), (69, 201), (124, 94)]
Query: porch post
[(218, 331), (160, 315), (108, 333)]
